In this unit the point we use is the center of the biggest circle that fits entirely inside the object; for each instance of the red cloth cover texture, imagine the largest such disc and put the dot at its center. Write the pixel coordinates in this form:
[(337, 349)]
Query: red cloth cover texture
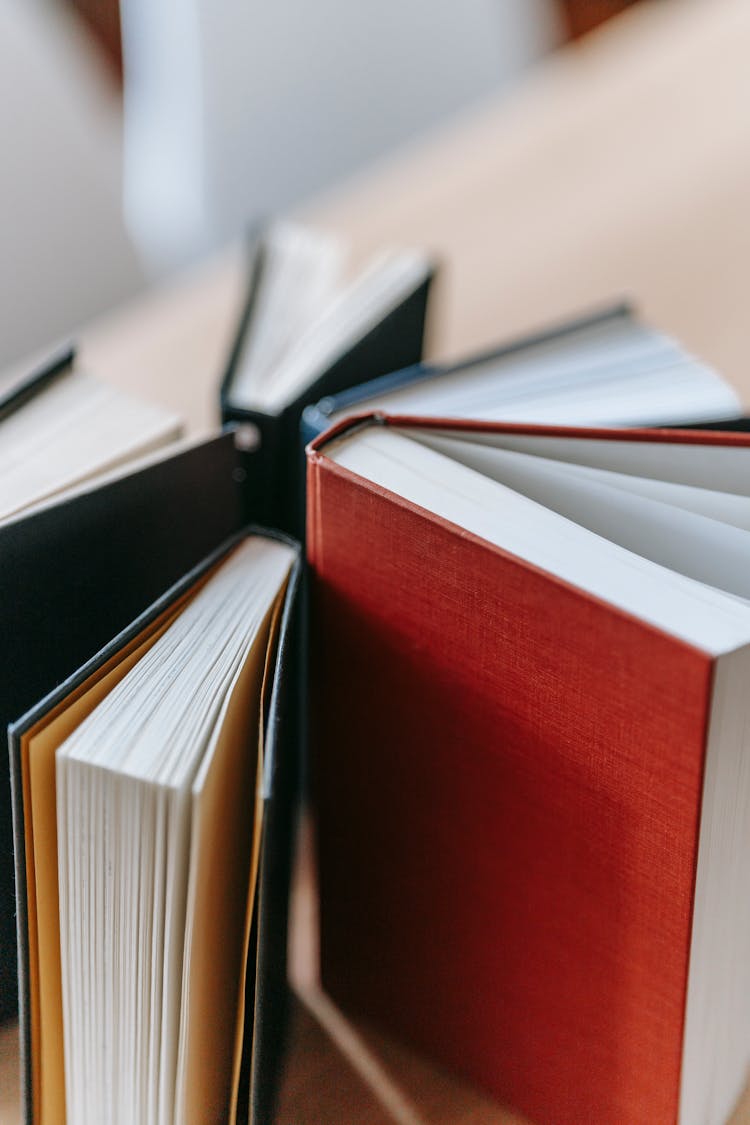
[(507, 775)]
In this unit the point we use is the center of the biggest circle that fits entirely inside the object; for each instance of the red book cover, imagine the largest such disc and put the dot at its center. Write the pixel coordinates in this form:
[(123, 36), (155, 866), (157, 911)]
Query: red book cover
[(508, 778)]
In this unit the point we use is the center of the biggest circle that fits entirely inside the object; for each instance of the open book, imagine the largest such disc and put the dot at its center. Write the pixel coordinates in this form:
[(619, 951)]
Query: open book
[(146, 634), (60, 429), (531, 743), (312, 326), (607, 369), (140, 796)]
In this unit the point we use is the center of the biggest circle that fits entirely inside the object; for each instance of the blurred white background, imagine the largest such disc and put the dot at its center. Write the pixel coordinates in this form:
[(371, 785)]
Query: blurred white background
[(64, 252), (234, 109), (230, 110)]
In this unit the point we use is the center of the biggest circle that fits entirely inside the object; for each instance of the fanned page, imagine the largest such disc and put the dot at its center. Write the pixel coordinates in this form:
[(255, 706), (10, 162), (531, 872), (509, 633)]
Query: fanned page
[(610, 371), (701, 533), (577, 713), (70, 431), (307, 314), (38, 747), (509, 514), (301, 271), (157, 847)]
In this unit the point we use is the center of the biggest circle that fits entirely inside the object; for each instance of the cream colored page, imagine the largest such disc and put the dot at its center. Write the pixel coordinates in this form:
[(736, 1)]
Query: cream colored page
[(38, 749), (250, 908), (223, 859), (71, 431)]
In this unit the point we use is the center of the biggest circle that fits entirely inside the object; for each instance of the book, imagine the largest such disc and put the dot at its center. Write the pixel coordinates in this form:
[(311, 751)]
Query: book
[(59, 428), (529, 740), (150, 690), (601, 369), (311, 326), (108, 526)]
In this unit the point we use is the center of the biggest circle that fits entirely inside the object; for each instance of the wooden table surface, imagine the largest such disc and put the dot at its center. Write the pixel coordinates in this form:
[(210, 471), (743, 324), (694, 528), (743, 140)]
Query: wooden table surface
[(619, 167)]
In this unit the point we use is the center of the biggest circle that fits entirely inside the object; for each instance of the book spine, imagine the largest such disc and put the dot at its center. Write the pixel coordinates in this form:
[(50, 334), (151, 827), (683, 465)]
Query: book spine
[(255, 269)]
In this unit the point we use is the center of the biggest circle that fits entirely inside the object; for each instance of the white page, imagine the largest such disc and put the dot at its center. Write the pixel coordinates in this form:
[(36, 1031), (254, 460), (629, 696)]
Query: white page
[(354, 311), (716, 467), (725, 506), (302, 272), (697, 613), (306, 315), (613, 371), (696, 545), (70, 431), (132, 763)]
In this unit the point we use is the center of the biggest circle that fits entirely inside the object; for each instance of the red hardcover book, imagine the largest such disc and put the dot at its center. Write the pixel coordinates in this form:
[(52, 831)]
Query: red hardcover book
[(528, 726)]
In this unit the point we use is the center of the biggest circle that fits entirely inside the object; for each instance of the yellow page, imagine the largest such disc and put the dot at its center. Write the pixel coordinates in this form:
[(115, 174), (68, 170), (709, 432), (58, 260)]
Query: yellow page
[(252, 895)]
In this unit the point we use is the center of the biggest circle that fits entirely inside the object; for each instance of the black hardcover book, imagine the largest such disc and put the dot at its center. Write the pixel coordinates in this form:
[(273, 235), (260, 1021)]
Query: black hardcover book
[(291, 350), (95, 582), (46, 635)]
